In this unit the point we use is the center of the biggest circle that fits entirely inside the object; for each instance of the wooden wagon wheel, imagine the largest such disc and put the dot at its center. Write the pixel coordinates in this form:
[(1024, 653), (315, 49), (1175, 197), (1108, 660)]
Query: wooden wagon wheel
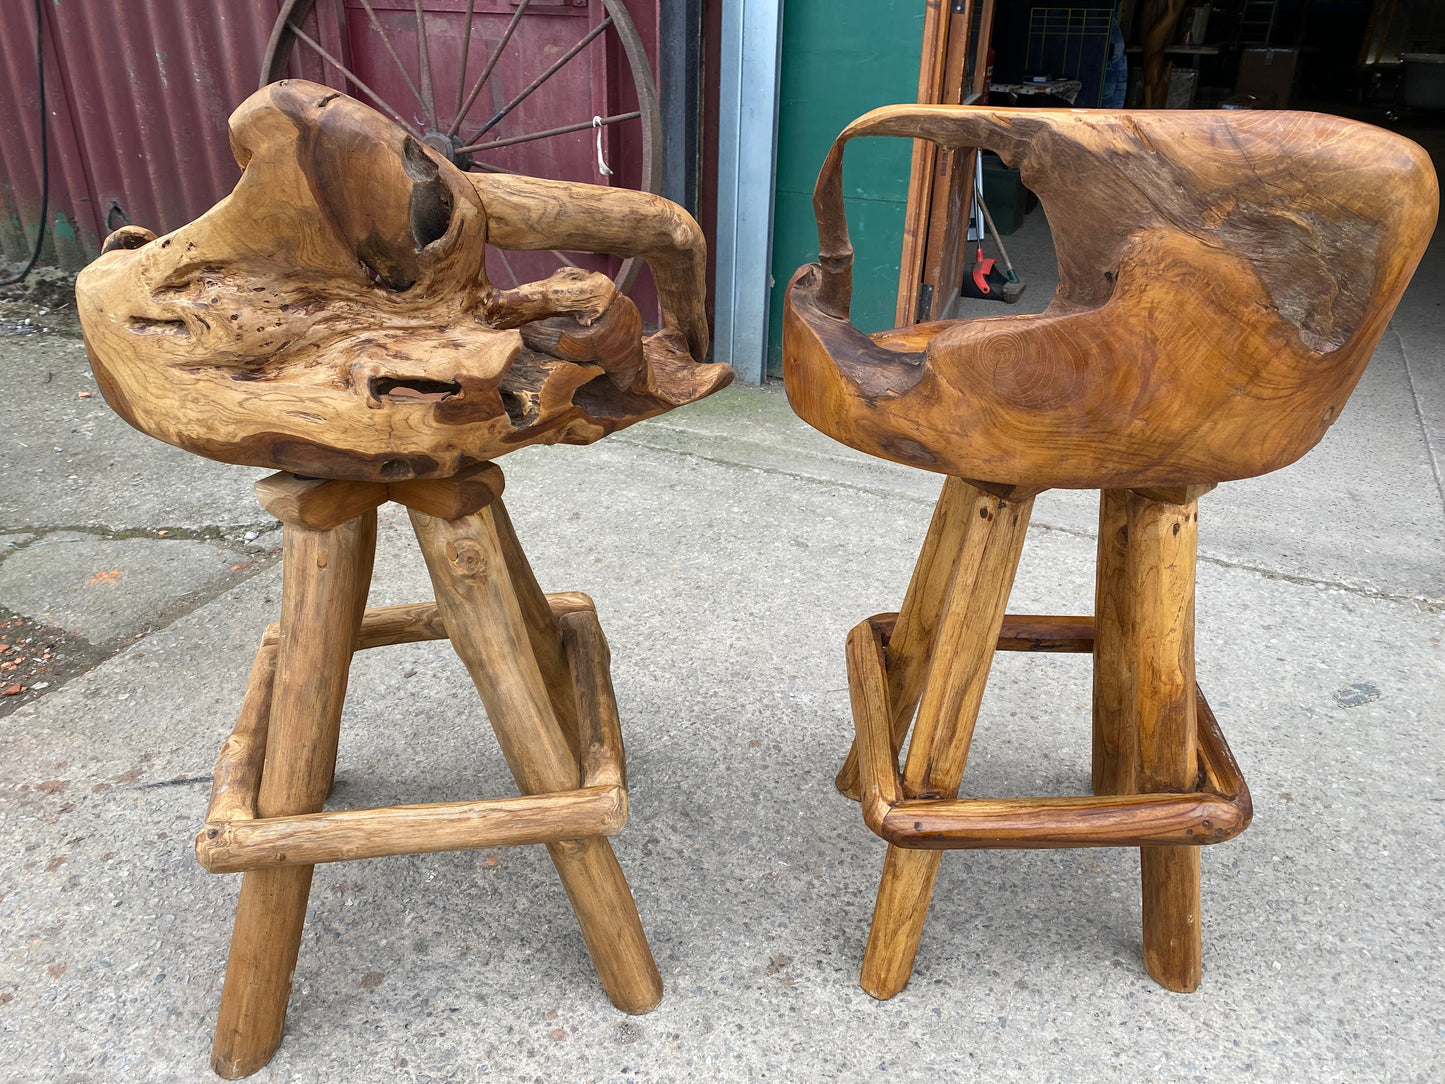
[(444, 108)]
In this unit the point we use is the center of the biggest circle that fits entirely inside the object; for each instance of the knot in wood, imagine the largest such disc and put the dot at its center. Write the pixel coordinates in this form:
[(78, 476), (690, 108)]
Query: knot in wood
[(468, 559)]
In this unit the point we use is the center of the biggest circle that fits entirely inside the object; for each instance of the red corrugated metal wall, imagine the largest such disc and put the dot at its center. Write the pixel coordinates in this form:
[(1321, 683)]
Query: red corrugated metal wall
[(137, 95)]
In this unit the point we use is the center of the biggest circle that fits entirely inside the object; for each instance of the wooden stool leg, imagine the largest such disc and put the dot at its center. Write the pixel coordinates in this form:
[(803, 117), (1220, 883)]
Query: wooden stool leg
[(542, 629), (1162, 539), (326, 577), (911, 646), (479, 605), (1116, 738), (967, 635)]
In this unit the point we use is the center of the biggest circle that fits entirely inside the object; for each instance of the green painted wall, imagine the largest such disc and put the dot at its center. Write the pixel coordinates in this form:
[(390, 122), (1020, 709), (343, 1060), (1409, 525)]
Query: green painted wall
[(841, 59)]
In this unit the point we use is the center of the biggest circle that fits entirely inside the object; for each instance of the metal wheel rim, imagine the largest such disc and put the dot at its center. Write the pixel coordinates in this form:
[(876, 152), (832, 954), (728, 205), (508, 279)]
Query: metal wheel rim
[(282, 43)]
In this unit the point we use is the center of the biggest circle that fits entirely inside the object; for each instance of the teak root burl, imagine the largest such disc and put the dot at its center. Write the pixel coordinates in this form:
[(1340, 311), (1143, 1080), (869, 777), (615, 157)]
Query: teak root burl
[(331, 319), (1224, 278)]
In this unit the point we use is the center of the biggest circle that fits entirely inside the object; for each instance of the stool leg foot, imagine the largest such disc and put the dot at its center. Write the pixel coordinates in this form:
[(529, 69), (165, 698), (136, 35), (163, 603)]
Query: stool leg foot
[(327, 574), (957, 671), (1173, 942), (610, 924), (265, 943), (898, 916), (472, 573), (1160, 574)]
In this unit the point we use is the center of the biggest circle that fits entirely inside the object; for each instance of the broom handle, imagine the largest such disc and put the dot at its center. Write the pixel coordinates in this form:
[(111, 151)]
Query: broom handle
[(992, 229)]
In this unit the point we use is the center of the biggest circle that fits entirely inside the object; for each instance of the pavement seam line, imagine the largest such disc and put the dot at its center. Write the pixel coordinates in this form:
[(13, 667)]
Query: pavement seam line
[(210, 532), (1423, 602), (1420, 414)]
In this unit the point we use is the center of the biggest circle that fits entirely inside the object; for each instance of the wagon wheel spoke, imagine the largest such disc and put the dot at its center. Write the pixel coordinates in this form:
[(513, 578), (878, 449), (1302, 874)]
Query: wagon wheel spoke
[(466, 51), (557, 66), (424, 56), (347, 73), (496, 55), (391, 49), (502, 253), (512, 141), (367, 52)]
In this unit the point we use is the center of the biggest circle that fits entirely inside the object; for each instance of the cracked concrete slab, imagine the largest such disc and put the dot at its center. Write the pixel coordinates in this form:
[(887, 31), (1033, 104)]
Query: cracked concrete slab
[(74, 463), (107, 589)]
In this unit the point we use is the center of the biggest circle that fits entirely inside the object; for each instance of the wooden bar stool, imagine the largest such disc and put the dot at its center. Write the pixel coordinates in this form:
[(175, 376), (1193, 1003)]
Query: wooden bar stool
[(1223, 280), (541, 666), (332, 320)]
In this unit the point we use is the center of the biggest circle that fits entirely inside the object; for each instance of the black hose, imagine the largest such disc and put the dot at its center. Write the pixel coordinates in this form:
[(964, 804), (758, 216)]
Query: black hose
[(44, 150)]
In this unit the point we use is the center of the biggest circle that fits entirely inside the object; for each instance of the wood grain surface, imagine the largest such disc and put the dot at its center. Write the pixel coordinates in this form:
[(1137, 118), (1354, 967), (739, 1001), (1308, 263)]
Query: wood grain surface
[(1223, 279), (478, 599), (332, 316), (350, 834), (968, 630), (1160, 583), (910, 640)]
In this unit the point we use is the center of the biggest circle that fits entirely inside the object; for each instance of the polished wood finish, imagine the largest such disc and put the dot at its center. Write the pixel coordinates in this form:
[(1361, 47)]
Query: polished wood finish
[(348, 835), (478, 603), (413, 621), (332, 316), (910, 645), (1167, 784), (1160, 577), (450, 498), (589, 662), (1223, 279), (332, 319), (1116, 739), (316, 503), (963, 649), (237, 775), (543, 631), (234, 840), (470, 579)]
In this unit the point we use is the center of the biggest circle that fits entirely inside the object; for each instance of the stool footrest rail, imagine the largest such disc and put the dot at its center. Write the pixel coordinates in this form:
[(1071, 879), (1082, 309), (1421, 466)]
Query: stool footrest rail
[(1219, 807)]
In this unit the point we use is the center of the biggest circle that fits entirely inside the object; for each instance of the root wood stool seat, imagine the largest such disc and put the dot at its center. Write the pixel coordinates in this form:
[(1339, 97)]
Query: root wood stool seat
[(332, 320), (1223, 280)]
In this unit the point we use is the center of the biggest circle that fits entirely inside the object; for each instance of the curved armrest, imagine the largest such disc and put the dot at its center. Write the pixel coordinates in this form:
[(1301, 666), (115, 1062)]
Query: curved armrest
[(1223, 279), (536, 213)]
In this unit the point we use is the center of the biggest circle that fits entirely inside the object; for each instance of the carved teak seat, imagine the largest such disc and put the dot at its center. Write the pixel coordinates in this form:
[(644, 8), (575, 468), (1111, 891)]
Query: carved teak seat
[(1224, 278), (332, 317)]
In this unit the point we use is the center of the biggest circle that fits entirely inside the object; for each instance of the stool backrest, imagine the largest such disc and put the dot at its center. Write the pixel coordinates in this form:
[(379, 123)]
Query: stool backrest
[(1224, 278)]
